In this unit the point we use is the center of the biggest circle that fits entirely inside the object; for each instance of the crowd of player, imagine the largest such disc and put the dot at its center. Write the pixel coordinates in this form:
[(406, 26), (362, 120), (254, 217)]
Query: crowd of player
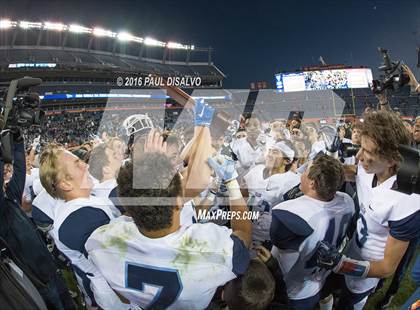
[(125, 212)]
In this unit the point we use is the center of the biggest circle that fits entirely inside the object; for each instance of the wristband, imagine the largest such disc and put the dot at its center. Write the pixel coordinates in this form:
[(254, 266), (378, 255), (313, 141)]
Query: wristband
[(211, 196), (352, 267), (233, 189)]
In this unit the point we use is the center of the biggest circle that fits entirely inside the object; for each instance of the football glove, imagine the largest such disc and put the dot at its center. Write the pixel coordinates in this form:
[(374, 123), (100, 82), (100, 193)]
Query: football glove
[(224, 167), (330, 258), (203, 113)]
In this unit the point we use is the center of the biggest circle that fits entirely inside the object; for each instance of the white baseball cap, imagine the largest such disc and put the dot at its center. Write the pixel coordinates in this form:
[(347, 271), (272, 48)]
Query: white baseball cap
[(286, 150)]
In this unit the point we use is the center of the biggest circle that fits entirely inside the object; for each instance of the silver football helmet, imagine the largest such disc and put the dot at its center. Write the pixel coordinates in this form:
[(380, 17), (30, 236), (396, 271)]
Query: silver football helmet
[(137, 123)]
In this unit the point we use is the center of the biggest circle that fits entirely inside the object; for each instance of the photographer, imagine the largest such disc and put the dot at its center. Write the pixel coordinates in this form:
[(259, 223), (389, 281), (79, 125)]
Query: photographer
[(388, 219), (396, 74), (20, 238), (415, 86)]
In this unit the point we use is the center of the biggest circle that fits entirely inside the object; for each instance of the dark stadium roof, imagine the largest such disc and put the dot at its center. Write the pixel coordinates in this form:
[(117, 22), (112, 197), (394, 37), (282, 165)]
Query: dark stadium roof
[(20, 44)]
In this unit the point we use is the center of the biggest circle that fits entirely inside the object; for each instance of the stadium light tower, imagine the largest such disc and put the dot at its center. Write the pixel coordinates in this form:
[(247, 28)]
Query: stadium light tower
[(125, 36), (96, 31), (54, 26), (79, 29), (99, 32), (29, 25), (174, 45), (153, 42), (5, 24)]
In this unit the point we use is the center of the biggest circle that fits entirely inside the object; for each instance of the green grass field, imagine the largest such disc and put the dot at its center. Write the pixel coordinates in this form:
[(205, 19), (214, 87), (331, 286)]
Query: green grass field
[(404, 292)]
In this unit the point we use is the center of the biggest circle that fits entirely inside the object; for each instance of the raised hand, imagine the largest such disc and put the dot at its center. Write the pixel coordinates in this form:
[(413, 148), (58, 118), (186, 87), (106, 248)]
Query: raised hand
[(413, 81), (224, 167), (154, 142)]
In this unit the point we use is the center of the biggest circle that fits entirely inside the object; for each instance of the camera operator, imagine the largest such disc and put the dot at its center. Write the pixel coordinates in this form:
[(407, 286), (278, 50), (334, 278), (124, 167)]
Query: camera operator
[(388, 219), (415, 86), (20, 237), (395, 75)]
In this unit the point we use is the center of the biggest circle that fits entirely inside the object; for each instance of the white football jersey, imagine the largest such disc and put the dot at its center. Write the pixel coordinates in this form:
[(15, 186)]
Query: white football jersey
[(44, 207), (188, 215), (247, 155), (298, 225), (381, 209), (74, 221), (350, 160), (27, 192), (103, 189), (29, 179), (107, 189), (278, 185), (179, 271), (272, 188), (37, 186), (264, 194)]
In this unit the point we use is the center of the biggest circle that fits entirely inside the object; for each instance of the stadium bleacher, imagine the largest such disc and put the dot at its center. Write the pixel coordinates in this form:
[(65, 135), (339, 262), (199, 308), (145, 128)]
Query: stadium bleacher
[(81, 52), (62, 56), (75, 59)]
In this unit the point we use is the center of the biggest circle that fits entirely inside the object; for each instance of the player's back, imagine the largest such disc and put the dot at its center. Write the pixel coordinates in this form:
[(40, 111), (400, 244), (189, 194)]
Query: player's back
[(179, 271), (308, 221)]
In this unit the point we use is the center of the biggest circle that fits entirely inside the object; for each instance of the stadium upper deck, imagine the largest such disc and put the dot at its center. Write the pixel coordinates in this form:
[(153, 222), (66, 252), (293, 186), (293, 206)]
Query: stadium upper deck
[(60, 53)]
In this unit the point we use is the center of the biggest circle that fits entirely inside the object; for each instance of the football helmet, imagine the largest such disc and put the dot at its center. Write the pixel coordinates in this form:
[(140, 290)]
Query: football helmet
[(137, 123)]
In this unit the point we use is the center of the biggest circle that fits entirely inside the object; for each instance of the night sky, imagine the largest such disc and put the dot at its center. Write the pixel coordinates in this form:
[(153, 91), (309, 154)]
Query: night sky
[(253, 39)]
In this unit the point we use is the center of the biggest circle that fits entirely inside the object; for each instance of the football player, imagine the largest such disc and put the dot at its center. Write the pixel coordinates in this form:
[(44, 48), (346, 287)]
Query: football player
[(388, 219), (153, 261), (65, 176), (298, 225), (266, 185), (248, 150)]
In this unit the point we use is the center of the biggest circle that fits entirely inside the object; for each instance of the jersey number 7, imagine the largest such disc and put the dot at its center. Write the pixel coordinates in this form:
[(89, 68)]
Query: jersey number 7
[(165, 279)]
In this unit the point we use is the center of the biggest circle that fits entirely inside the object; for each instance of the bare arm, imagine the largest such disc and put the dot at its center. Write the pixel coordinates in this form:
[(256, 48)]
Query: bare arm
[(383, 102), (415, 86), (394, 252), (198, 173), (241, 227), (330, 258)]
